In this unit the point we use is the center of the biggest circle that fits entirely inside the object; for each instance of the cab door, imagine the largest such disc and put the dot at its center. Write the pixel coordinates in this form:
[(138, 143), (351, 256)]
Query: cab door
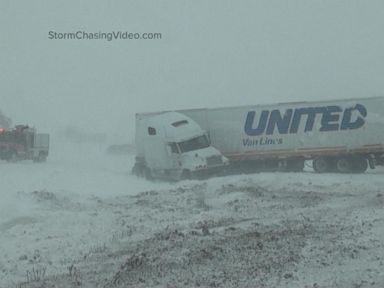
[(174, 155)]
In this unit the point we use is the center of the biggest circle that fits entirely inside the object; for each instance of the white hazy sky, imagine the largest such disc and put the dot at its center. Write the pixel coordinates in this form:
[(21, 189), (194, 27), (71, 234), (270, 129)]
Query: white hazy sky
[(212, 53)]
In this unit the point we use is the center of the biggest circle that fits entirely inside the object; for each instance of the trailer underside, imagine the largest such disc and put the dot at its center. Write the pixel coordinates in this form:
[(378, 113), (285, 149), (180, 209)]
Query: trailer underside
[(328, 159)]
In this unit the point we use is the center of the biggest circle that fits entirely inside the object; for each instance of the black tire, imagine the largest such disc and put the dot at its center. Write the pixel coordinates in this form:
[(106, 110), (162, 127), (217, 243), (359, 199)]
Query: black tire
[(12, 157), (148, 173), (344, 165), (41, 158), (360, 165), (321, 165), (139, 168), (136, 170)]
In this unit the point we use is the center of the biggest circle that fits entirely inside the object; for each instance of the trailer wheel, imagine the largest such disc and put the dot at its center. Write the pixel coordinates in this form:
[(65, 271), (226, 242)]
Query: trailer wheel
[(137, 170), (344, 165), (360, 165), (321, 165)]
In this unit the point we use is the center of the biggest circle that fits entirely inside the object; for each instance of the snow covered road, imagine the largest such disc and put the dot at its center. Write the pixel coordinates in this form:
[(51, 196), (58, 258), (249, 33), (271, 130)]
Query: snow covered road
[(81, 220)]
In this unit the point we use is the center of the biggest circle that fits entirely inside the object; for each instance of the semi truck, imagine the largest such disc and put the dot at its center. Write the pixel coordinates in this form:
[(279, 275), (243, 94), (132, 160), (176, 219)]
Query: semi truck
[(23, 143), (345, 136), (172, 146)]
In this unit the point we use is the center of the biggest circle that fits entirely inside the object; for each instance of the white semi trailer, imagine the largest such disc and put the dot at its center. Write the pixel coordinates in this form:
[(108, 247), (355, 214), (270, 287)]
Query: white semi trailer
[(338, 136)]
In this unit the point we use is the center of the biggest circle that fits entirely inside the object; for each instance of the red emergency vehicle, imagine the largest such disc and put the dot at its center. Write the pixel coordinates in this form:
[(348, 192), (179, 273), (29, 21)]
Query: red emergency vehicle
[(23, 143)]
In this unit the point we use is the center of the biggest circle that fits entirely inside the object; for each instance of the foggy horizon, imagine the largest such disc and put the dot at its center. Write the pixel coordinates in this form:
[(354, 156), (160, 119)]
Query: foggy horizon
[(211, 54)]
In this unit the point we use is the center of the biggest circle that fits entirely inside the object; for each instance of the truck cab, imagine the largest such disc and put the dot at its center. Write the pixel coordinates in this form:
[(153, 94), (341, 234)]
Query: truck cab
[(23, 143), (172, 146)]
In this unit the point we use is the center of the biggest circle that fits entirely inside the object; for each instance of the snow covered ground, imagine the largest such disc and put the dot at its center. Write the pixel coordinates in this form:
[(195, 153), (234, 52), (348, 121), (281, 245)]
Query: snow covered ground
[(81, 220)]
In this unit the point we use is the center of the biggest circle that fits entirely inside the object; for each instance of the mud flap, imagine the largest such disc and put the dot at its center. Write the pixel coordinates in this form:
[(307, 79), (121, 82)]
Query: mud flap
[(371, 163)]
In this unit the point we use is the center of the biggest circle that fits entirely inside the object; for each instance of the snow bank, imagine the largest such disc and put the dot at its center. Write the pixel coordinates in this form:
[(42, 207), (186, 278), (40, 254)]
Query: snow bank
[(81, 220)]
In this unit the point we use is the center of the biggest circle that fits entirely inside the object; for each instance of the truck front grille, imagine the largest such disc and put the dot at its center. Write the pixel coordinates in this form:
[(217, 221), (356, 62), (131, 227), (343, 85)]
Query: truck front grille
[(214, 160)]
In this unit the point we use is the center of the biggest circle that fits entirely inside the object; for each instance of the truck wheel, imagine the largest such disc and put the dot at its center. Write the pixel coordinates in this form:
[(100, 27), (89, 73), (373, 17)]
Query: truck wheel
[(136, 170), (12, 157), (41, 158), (321, 165), (148, 174), (360, 165), (344, 165), (139, 169)]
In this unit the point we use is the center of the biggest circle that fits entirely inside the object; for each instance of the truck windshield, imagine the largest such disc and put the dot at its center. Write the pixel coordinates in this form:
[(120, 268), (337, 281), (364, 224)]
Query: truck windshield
[(194, 144)]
